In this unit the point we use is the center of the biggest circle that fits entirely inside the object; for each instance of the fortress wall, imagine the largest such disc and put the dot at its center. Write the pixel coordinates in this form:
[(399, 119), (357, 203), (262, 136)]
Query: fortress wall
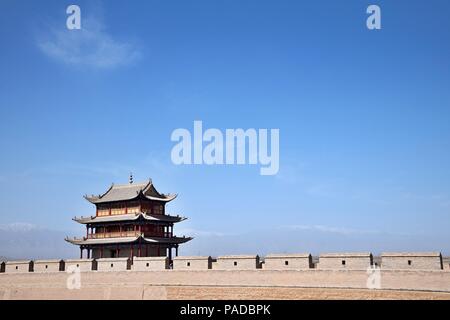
[(83, 264), (333, 261), (238, 262), (446, 264), (287, 261), (192, 263), (48, 265), (113, 264), (345, 261), (126, 252), (23, 266), (153, 284), (150, 263), (412, 261)]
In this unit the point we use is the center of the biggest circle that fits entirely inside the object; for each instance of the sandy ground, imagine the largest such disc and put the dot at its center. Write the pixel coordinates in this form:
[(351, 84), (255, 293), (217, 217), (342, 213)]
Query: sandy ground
[(224, 293)]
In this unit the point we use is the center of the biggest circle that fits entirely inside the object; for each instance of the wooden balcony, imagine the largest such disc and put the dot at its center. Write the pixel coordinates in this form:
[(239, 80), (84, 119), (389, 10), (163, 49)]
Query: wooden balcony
[(124, 234)]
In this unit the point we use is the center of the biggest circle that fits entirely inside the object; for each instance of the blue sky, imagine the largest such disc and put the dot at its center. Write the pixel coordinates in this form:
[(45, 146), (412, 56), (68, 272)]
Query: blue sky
[(363, 118)]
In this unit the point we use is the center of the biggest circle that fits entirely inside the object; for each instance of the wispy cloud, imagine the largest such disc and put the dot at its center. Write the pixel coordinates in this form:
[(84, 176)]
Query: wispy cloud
[(328, 229), (18, 227), (91, 46), (201, 233)]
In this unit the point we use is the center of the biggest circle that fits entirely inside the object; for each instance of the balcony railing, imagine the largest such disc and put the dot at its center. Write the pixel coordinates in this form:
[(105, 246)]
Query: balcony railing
[(124, 234), (118, 234)]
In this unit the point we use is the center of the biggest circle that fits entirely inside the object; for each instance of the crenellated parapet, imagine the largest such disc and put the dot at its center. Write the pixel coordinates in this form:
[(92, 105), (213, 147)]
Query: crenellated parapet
[(414, 261)]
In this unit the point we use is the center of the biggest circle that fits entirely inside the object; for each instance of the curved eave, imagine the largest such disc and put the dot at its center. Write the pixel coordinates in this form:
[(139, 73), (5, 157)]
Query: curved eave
[(163, 198), (163, 217), (101, 241), (157, 197), (176, 240), (92, 200), (129, 217)]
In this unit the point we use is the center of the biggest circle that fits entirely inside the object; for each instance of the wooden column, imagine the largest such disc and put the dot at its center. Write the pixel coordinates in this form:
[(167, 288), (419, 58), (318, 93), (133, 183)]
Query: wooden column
[(101, 252), (176, 251), (139, 254), (88, 253), (81, 252)]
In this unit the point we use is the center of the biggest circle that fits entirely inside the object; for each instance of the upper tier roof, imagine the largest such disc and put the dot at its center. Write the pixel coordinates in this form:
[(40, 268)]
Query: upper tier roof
[(123, 192)]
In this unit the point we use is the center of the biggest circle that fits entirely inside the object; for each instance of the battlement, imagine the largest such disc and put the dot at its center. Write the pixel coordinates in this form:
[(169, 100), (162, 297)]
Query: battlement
[(426, 261)]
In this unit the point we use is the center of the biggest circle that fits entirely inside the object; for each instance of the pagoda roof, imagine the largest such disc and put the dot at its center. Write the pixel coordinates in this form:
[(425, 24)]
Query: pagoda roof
[(130, 191), (129, 217), (156, 240)]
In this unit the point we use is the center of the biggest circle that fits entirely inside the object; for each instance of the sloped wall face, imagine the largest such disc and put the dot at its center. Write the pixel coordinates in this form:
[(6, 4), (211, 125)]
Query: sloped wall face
[(47, 266), (344, 263), (13, 267), (115, 264), (236, 264), (82, 264), (411, 263), (282, 263), (150, 264), (446, 265), (191, 264), (138, 285)]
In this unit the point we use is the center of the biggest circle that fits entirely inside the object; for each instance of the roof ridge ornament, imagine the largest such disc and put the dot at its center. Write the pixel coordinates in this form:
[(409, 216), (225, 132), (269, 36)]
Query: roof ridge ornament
[(131, 177)]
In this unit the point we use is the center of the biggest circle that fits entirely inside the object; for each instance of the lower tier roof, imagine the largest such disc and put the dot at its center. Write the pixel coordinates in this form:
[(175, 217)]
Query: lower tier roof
[(148, 240), (129, 217)]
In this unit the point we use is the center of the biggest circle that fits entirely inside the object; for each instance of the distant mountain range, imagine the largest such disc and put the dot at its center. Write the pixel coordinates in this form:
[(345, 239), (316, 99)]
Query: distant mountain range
[(26, 241)]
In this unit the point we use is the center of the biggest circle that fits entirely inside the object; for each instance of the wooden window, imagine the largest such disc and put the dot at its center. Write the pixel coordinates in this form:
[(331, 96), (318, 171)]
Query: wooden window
[(286, 263), (102, 212), (133, 210), (188, 264), (235, 263), (117, 211), (343, 262), (409, 262)]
